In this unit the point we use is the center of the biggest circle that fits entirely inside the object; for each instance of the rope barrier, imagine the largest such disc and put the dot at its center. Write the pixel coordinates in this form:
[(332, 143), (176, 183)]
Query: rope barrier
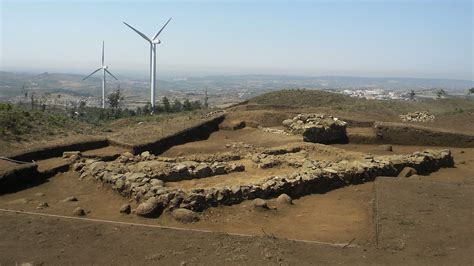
[(340, 245), (16, 161)]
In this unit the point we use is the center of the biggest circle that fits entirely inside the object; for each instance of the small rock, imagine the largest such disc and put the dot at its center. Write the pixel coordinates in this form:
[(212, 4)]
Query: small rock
[(68, 154), (125, 209), (157, 182), (40, 194), (125, 157), (180, 168), (42, 205), (72, 198), (203, 170), (407, 172), (260, 204), (219, 169), (285, 199), (79, 211), (185, 216), (145, 154), (77, 167)]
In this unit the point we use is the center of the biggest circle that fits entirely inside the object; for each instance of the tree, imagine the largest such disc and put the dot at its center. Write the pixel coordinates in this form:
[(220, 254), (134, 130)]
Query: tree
[(412, 94), (440, 93), (471, 90), (166, 104), (196, 105), (32, 96), (147, 108), (187, 105), (177, 106), (206, 104), (114, 99)]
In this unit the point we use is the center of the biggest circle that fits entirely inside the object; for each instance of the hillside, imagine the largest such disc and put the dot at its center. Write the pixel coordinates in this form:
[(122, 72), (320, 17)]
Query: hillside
[(17, 124), (323, 99), (454, 114)]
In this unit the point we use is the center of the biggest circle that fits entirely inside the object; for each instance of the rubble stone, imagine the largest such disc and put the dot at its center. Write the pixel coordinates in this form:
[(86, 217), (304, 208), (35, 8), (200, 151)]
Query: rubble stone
[(150, 208), (260, 204), (125, 209), (417, 117), (79, 211), (285, 199), (185, 215), (407, 172), (317, 128)]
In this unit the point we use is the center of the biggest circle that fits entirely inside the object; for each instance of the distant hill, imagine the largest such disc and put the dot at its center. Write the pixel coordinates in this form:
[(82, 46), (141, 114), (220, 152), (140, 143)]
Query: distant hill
[(324, 99)]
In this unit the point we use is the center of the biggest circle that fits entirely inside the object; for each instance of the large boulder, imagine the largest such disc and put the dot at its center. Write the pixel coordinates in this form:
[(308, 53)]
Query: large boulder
[(150, 208), (203, 170), (97, 167), (317, 128), (285, 199), (185, 215), (260, 204)]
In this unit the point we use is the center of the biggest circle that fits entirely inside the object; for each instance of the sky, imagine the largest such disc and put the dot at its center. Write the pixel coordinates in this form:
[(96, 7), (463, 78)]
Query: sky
[(418, 38)]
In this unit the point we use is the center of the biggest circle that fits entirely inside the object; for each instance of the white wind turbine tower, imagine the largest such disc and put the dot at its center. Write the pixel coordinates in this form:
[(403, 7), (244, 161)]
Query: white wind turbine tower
[(153, 42), (104, 70)]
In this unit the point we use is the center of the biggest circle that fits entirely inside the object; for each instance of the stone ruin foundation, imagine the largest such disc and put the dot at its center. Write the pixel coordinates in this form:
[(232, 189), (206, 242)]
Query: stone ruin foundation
[(143, 177)]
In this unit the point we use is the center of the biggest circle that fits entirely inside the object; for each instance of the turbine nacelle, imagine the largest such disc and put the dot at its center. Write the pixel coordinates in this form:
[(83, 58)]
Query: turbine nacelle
[(157, 41)]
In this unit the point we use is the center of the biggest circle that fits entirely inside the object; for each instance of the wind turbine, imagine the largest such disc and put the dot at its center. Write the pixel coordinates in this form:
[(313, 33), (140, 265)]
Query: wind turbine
[(104, 70), (153, 42)]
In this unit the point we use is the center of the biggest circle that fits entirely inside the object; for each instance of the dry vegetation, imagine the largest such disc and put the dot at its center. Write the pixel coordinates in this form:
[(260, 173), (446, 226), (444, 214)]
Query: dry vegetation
[(451, 113), (25, 129)]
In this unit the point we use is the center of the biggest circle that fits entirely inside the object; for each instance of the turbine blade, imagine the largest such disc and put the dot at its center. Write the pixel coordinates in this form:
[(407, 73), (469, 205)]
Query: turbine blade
[(92, 73), (102, 53), (162, 29), (111, 74), (137, 31)]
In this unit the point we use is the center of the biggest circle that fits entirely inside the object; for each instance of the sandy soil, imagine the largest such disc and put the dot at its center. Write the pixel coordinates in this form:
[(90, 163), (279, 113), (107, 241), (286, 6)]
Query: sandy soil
[(373, 223)]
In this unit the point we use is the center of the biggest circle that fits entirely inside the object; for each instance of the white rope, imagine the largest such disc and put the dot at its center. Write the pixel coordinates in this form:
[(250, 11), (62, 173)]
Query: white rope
[(16, 161), (341, 245)]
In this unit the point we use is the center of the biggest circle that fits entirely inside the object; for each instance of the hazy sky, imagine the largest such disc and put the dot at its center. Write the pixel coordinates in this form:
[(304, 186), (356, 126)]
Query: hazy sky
[(359, 38)]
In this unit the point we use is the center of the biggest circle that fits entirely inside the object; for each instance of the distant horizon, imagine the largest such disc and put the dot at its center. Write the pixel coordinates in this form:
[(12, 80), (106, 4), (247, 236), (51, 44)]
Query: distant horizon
[(131, 75), (412, 39)]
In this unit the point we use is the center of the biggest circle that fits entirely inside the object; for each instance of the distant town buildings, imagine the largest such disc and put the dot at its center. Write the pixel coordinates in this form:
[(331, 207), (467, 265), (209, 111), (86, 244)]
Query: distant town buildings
[(377, 94)]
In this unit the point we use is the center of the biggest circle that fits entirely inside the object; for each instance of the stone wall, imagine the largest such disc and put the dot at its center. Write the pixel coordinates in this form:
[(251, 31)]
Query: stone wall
[(309, 177)]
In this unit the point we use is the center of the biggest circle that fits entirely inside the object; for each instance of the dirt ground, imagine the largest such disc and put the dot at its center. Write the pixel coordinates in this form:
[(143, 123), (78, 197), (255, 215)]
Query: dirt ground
[(416, 220)]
